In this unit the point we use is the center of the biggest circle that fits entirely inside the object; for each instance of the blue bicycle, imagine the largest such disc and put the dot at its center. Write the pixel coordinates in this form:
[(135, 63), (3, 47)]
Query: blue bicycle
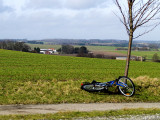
[(124, 84)]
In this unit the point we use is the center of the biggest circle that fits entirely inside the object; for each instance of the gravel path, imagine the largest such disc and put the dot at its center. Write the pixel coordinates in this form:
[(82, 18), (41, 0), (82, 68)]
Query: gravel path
[(53, 108)]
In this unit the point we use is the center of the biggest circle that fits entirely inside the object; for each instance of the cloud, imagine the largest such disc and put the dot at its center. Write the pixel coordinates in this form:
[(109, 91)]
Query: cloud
[(60, 19), (38, 19), (4, 8), (69, 4), (41, 4), (83, 4)]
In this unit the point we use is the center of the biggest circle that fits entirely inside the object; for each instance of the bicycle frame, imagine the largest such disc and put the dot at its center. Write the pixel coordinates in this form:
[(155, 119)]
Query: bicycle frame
[(114, 82), (124, 85)]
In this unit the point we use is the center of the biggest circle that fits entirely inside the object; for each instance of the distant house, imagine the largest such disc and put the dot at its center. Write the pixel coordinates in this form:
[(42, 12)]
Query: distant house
[(121, 58), (48, 51), (141, 48), (124, 58), (135, 58)]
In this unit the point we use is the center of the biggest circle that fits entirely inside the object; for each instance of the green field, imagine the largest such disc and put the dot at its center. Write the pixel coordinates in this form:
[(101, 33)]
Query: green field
[(91, 48), (147, 54), (44, 46), (30, 78)]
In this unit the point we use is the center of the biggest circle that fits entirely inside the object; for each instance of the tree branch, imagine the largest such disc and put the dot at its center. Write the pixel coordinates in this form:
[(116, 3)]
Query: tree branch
[(147, 31), (124, 21)]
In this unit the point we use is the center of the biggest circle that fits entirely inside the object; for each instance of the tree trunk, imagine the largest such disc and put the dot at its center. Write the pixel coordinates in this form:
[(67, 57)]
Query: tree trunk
[(128, 55), (130, 5)]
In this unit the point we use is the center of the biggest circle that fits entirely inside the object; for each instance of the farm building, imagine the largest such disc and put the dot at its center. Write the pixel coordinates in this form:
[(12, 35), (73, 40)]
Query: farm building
[(48, 51), (124, 58), (136, 58)]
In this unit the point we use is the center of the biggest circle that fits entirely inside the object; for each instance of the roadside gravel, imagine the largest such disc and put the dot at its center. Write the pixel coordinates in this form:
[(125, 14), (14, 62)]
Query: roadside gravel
[(130, 117)]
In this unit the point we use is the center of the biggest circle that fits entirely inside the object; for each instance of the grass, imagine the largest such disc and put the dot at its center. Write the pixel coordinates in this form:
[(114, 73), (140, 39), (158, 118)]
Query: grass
[(29, 78), (73, 115)]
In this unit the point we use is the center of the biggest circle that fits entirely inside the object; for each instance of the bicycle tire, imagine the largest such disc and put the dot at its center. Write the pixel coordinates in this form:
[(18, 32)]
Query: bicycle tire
[(88, 87), (91, 88), (127, 89)]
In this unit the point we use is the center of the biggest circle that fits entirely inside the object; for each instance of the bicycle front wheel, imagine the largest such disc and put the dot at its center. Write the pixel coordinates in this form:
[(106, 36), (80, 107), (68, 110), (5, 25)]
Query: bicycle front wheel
[(126, 86)]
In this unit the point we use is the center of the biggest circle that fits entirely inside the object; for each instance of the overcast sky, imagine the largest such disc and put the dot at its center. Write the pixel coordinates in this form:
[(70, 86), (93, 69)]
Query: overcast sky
[(72, 19)]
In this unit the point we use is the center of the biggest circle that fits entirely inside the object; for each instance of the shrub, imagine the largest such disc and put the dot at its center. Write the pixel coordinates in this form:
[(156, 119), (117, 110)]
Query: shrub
[(155, 58)]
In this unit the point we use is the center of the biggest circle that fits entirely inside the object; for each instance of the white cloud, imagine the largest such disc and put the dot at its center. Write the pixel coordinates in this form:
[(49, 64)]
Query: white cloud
[(4, 8), (70, 4), (40, 4), (52, 19), (83, 4)]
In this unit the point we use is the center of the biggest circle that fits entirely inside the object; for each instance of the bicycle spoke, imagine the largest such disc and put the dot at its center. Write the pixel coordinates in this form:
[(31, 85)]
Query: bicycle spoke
[(126, 86)]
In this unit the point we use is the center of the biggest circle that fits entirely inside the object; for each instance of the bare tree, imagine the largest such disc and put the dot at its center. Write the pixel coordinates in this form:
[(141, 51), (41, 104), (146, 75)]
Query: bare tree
[(138, 14)]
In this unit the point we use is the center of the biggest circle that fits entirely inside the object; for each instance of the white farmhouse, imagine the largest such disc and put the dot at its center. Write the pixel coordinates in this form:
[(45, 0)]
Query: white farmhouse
[(48, 51)]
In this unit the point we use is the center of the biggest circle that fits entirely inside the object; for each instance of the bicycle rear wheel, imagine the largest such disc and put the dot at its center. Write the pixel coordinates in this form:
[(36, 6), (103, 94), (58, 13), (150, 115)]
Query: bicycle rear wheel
[(91, 87), (126, 86)]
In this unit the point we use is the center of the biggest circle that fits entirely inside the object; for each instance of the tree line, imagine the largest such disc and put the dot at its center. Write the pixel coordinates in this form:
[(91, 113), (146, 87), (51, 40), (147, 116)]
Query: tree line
[(80, 51), (14, 45), (69, 49)]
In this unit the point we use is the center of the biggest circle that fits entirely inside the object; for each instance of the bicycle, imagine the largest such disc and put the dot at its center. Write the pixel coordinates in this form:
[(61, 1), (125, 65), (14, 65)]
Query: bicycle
[(124, 84)]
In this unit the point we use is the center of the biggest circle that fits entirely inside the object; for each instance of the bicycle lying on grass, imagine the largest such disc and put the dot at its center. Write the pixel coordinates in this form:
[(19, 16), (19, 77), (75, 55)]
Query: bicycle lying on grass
[(124, 84)]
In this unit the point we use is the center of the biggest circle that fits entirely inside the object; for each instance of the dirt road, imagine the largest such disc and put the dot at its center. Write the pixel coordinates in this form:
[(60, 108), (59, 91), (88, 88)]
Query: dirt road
[(53, 108)]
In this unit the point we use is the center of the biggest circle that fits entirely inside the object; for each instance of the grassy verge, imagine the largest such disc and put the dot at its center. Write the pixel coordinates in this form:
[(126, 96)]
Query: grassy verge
[(71, 115), (41, 92)]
